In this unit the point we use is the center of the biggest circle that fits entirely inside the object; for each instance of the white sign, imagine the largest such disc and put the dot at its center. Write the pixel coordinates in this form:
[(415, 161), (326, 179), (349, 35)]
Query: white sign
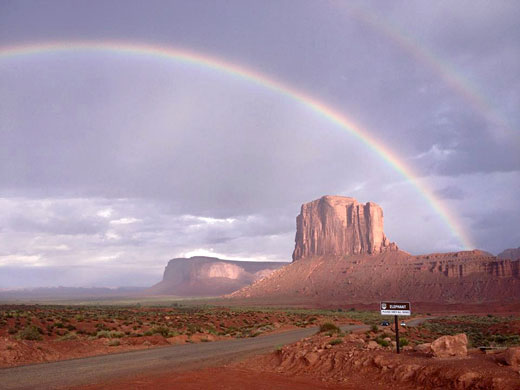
[(396, 309)]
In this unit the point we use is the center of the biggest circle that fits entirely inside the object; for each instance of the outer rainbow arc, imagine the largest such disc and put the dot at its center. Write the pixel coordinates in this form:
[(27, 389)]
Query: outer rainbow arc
[(257, 78), (447, 73)]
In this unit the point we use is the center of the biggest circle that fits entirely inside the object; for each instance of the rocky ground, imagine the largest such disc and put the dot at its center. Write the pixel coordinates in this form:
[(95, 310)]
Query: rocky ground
[(331, 360), (441, 364)]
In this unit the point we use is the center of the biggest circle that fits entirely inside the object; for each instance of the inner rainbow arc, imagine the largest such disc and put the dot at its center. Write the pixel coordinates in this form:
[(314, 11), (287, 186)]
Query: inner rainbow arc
[(255, 77)]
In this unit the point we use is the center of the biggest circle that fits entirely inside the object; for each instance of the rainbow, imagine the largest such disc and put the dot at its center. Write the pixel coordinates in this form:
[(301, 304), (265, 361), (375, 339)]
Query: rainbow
[(447, 73), (251, 76)]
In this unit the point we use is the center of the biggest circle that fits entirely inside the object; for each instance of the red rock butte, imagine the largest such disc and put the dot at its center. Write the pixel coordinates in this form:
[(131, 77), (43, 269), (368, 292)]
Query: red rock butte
[(338, 226), (342, 256)]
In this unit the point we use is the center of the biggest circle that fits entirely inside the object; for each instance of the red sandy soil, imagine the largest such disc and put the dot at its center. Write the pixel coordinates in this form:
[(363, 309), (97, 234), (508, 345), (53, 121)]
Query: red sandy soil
[(236, 378), (132, 326), (314, 363)]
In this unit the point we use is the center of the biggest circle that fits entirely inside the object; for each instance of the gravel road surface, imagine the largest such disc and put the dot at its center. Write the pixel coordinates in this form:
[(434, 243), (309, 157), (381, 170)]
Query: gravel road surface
[(63, 374)]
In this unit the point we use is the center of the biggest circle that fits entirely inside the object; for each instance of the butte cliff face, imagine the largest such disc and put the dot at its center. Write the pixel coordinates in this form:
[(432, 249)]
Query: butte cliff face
[(210, 276), (342, 257), (338, 226)]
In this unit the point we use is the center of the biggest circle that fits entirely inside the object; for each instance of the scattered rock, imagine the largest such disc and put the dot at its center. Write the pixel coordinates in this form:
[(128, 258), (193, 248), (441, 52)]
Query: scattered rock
[(449, 346), (311, 358), (406, 372), (466, 380), (424, 348), (512, 357), (345, 361)]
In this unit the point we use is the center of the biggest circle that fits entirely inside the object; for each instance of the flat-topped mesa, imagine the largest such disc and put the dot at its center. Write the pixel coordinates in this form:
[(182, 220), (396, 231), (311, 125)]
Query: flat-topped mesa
[(339, 226)]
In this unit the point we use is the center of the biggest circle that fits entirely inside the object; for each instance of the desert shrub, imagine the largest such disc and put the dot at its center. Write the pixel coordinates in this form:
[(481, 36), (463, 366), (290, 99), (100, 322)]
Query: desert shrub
[(382, 342), (403, 342), (191, 329), (336, 342), (162, 330), (30, 332), (374, 328), (481, 330), (212, 330), (68, 336), (329, 327), (103, 334), (114, 343), (101, 326), (12, 331)]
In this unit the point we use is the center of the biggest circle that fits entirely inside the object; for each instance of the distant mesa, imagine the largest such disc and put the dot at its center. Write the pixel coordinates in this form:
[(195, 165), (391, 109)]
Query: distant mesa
[(339, 226), (209, 276), (511, 254)]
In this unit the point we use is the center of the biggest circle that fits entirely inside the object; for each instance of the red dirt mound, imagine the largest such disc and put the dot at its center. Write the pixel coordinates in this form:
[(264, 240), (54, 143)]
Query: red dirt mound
[(459, 277)]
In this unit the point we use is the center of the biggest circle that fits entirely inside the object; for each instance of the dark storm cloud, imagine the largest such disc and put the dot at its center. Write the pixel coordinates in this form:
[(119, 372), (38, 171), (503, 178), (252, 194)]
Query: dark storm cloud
[(489, 226), (114, 159), (462, 144), (451, 192)]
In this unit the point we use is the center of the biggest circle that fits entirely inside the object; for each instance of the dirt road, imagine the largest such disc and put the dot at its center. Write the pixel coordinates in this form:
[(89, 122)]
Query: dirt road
[(67, 373)]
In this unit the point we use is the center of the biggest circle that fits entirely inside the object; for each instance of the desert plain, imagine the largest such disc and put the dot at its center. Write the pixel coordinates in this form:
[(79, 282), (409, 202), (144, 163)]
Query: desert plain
[(345, 348), (314, 323)]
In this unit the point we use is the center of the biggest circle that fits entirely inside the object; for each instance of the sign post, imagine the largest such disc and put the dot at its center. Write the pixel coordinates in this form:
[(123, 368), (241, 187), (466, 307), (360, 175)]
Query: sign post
[(396, 309)]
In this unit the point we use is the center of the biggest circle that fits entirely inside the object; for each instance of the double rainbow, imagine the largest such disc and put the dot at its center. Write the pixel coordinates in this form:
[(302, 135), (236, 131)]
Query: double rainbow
[(251, 76), (446, 72)]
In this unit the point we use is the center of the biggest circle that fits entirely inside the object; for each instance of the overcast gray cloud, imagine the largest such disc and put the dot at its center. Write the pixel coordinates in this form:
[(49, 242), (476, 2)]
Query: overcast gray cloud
[(120, 162)]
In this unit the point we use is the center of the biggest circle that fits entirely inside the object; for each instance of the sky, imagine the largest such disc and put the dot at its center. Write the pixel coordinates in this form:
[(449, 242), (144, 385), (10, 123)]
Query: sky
[(112, 163)]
